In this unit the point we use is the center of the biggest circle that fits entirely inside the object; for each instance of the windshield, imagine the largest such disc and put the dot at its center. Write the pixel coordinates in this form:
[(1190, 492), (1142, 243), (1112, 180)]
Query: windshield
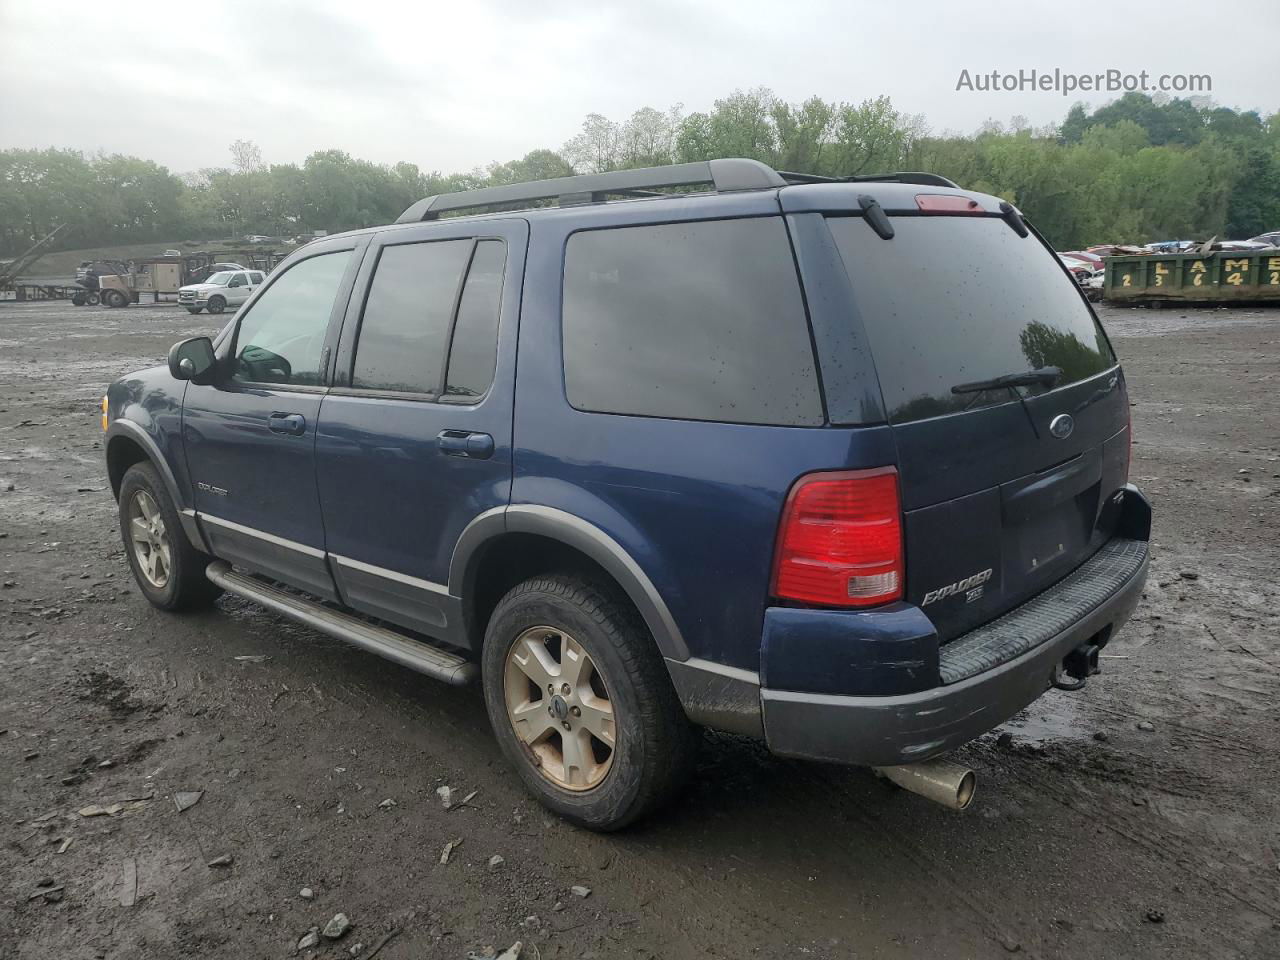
[(953, 301), (221, 279)]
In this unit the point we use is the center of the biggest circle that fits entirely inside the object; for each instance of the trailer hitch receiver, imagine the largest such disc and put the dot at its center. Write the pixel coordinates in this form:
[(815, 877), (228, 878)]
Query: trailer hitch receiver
[(1079, 665)]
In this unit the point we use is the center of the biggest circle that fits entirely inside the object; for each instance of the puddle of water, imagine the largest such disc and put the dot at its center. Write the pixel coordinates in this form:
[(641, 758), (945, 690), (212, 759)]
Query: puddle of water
[(1055, 716)]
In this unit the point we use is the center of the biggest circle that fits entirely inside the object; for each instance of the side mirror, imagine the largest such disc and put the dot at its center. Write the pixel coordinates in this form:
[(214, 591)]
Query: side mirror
[(192, 359)]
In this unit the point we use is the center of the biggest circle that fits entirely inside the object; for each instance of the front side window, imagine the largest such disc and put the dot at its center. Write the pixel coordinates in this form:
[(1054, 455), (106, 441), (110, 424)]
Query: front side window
[(694, 321), (405, 329), (220, 279), (281, 338)]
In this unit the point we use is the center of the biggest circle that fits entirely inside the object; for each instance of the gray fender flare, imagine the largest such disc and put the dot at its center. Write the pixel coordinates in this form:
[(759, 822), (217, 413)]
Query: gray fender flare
[(138, 434), (575, 532)]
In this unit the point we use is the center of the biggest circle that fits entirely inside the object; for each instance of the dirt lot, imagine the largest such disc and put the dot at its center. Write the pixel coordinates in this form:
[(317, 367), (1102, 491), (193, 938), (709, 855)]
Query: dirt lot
[(1140, 818)]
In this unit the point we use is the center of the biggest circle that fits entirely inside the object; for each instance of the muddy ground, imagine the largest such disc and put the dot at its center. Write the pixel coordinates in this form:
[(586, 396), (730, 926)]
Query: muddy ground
[(1140, 818)]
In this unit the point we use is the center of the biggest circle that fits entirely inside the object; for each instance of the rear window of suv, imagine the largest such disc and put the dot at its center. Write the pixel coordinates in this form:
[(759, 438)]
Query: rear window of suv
[(956, 300), (690, 321)]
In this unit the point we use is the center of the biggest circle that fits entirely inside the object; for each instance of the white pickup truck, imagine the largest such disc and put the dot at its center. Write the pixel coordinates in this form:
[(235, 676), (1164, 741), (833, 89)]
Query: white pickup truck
[(227, 288)]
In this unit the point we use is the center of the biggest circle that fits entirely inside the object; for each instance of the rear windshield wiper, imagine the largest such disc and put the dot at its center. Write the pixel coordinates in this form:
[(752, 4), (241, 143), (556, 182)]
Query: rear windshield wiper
[(1043, 375)]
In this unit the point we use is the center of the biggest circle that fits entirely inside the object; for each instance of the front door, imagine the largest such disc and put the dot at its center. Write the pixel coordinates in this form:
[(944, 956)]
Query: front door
[(250, 437), (414, 439), (239, 288)]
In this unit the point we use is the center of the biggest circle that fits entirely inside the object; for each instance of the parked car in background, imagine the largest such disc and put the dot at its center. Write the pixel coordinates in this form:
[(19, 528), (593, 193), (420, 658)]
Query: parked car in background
[(769, 458), (1271, 239), (1081, 270), (226, 288), (1092, 259)]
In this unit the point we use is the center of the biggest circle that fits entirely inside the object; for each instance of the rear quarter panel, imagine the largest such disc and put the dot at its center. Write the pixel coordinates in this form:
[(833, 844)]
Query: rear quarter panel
[(695, 504)]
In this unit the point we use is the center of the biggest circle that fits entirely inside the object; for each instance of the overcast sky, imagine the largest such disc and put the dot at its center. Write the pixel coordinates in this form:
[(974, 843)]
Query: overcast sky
[(452, 86)]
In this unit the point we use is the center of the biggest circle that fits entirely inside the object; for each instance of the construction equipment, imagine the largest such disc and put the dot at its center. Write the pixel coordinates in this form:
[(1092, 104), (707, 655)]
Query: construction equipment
[(117, 283), (10, 271)]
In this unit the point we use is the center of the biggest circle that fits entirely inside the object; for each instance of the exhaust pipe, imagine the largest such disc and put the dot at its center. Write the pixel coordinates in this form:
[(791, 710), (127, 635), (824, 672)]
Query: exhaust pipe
[(941, 781)]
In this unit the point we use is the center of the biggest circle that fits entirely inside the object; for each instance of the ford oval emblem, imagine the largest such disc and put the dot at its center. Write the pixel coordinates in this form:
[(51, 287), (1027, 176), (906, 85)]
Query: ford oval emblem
[(1062, 425)]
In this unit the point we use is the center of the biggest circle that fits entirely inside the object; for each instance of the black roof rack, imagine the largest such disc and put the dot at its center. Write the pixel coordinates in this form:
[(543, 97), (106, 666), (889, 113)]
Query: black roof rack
[(724, 176), (924, 179)]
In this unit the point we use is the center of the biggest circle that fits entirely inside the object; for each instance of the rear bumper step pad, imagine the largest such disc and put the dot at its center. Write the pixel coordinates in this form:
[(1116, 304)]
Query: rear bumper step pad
[(1045, 615)]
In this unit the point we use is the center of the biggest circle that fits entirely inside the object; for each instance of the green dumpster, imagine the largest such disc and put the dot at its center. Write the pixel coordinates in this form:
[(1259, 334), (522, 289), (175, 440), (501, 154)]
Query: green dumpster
[(1219, 276)]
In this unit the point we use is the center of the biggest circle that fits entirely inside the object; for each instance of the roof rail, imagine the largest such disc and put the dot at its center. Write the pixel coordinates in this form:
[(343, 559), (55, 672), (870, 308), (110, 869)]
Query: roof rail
[(925, 179), (724, 176)]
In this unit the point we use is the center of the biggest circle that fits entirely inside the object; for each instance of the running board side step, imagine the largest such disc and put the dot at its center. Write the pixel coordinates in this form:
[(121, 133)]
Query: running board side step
[(397, 647)]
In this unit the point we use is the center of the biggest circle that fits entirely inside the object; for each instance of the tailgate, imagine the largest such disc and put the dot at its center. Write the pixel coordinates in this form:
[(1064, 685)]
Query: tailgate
[(1004, 487)]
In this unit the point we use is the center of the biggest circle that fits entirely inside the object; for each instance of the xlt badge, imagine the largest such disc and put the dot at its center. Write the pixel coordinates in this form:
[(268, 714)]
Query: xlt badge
[(971, 586)]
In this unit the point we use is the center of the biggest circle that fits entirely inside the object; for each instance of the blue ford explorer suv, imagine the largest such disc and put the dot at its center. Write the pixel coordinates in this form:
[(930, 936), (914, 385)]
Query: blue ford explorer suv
[(837, 464)]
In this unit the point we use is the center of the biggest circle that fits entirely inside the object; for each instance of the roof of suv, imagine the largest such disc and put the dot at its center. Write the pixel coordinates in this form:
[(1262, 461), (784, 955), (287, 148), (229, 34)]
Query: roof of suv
[(726, 176), (798, 192)]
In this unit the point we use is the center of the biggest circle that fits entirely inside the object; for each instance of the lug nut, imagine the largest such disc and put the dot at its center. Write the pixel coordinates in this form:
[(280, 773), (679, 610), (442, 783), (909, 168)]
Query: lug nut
[(566, 725), (564, 688), (551, 688), (576, 711)]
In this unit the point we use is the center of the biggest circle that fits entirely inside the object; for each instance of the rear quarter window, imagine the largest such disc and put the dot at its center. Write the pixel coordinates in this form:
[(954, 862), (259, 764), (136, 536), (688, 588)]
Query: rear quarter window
[(955, 300), (694, 321)]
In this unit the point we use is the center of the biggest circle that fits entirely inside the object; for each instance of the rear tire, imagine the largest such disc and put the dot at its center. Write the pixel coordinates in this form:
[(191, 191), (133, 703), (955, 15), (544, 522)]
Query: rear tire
[(168, 569), (591, 628), (216, 305), (114, 298)]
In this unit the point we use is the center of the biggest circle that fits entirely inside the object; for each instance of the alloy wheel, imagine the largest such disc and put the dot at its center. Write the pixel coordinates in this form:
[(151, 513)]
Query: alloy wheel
[(150, 539), (559, 708)]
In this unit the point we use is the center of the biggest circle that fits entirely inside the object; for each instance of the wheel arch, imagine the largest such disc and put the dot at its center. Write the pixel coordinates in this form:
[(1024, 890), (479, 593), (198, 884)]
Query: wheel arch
[(129, 443), (506, 545)]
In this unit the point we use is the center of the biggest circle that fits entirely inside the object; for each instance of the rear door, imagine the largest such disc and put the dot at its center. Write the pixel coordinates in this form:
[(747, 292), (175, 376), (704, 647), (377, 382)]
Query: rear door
[(415, 437), (1004, 488)]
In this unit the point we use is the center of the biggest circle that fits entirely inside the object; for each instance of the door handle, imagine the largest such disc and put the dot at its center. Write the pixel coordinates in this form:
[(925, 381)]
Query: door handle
[(464, 443), (292, 424)]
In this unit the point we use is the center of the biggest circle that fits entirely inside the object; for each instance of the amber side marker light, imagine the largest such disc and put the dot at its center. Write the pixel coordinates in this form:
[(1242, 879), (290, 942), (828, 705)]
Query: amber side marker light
[(104, 414)]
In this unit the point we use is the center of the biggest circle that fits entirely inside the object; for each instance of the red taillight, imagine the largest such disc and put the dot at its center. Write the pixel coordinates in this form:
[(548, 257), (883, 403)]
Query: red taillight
[(947, 203), (840, 542)]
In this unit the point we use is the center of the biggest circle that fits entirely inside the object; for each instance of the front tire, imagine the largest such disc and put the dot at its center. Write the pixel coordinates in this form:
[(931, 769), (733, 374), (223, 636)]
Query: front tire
[(581, 702), (194, 310), (217, 305), (169, 571)]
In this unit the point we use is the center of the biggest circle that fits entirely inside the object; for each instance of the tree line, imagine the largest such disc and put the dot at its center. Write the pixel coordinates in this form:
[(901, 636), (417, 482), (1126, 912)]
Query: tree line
[(1135, 170)]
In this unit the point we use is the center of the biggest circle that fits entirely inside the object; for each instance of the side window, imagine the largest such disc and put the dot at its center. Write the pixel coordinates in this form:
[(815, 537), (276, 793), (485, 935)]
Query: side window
[(255, 278), (237, 280), (281, 338), (694, 321), (405, 328), (474, 350)]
